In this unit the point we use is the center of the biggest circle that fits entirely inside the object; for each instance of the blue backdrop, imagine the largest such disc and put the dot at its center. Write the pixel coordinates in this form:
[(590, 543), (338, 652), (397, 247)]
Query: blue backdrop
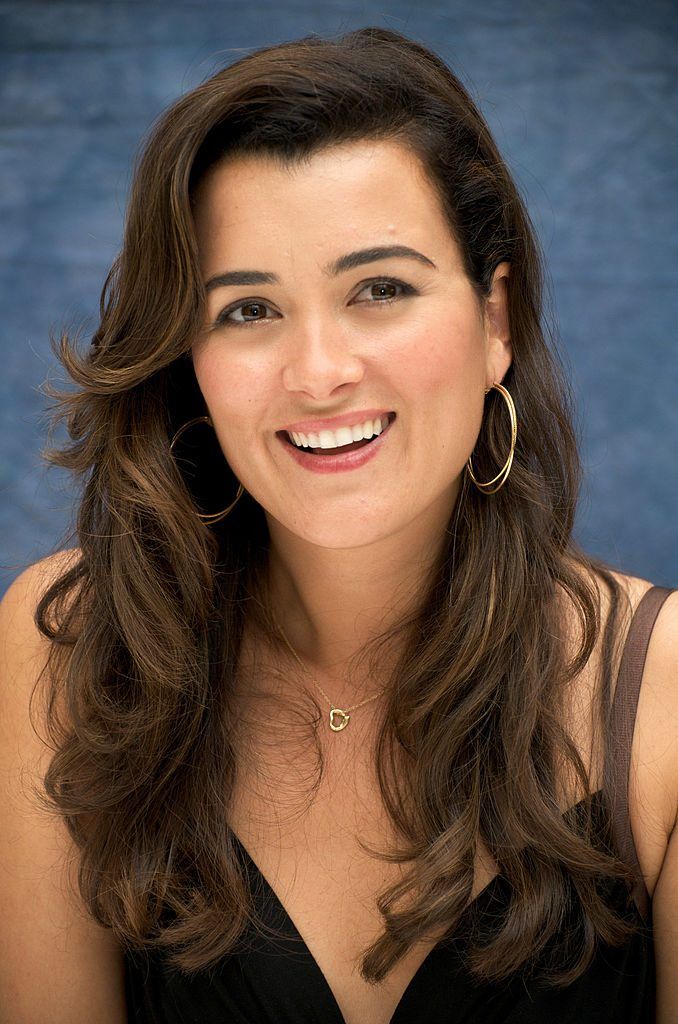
[(581, 98)]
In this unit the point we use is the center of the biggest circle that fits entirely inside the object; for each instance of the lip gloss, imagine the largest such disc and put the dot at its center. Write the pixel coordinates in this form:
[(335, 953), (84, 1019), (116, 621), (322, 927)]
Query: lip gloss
[(336, 463)]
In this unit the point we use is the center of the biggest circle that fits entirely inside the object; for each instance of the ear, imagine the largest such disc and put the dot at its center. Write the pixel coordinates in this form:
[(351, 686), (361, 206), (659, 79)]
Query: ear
[(497, 331)]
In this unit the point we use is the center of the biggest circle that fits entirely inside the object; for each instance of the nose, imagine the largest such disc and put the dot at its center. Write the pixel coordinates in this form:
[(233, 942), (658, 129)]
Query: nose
[(320, 359)]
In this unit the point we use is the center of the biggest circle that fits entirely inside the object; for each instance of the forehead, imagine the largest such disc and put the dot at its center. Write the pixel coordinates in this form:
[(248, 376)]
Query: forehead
[(353, 193)]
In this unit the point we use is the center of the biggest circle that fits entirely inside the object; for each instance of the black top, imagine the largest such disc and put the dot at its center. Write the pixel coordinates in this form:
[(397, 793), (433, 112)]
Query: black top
[(275, 980)]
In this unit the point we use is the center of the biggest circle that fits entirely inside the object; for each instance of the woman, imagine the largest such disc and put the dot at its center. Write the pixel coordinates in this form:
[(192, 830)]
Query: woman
[(341, 717)]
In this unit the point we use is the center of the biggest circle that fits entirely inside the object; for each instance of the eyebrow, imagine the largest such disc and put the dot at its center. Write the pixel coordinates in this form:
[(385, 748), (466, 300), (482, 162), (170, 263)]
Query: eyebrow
[(349, 261)]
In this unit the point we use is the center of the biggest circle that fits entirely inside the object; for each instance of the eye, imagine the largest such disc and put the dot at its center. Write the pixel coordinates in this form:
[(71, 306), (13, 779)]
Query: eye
[(252, 310), (382, 291)]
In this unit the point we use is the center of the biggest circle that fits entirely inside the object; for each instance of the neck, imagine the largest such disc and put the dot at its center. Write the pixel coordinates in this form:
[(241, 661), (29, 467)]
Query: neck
[(330, 602)]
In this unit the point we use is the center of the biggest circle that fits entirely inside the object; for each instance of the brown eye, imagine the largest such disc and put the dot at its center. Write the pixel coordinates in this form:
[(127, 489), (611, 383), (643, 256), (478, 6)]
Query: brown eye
[(383, 292), (252, 311)]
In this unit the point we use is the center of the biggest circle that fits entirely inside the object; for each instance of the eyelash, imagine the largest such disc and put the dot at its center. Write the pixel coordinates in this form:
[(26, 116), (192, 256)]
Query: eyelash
[(223, 321)]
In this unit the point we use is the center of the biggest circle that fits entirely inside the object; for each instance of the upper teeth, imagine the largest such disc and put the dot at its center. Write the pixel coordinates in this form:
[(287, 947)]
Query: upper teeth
[(342, 436)]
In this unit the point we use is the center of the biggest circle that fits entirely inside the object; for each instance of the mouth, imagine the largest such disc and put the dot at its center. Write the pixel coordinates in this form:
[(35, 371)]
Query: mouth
[(346, 456), (340, 449)]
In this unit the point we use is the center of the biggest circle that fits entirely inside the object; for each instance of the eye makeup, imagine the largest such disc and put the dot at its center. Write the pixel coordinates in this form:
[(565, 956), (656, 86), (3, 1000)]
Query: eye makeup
[(224, 318)]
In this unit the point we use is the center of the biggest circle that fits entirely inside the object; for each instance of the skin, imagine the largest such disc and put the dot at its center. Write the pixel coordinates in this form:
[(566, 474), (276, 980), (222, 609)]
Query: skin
[(349, 550)]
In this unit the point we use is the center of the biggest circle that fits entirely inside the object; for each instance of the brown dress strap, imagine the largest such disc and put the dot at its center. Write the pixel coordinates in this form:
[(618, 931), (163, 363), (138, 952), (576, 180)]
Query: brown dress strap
[(622, 723)]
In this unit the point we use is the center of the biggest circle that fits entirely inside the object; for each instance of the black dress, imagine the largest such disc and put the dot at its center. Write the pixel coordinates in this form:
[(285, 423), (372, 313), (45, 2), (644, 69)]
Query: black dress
[(276, 980)]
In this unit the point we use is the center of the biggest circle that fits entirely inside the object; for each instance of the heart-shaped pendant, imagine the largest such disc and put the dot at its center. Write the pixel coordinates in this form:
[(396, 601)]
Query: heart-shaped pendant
[(343, 719)]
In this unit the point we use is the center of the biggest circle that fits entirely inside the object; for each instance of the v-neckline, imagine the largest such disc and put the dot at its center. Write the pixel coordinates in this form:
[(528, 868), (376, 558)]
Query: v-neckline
[(497, 881)]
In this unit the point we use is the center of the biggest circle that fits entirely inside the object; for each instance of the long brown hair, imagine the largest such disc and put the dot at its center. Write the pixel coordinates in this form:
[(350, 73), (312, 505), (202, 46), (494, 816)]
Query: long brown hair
[(149, 618)]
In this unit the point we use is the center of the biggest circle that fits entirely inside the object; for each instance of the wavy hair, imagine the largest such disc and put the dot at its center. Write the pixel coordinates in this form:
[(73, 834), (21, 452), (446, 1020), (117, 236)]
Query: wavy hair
[(147, 619)]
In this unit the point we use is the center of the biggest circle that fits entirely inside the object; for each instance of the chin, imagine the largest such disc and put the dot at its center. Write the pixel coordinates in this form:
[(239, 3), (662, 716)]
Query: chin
[(342, 535)]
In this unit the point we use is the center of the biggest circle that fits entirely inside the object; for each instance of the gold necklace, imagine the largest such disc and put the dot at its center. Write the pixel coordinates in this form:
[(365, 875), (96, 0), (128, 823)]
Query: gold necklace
[(342, 715)]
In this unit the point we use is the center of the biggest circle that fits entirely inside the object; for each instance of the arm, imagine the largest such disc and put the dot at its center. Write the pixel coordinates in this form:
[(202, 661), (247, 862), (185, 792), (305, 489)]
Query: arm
[(57, 965), (665, 917), (662, 751)]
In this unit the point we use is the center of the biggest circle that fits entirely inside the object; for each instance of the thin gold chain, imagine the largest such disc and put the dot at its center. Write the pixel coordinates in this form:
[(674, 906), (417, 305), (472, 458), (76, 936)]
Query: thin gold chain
[(342, 714)]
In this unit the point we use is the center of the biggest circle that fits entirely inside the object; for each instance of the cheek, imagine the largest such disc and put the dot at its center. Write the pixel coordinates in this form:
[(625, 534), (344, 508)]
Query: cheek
[(441, 371), (441, 359), (234, 388)]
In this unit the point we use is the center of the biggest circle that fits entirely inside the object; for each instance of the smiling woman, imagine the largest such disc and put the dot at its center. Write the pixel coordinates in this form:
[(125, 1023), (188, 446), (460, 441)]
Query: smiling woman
[(323, 338), (331, 478)]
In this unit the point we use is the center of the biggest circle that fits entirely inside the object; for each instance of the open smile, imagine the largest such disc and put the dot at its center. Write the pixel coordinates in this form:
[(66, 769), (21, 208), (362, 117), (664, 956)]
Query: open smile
[(336, 460)]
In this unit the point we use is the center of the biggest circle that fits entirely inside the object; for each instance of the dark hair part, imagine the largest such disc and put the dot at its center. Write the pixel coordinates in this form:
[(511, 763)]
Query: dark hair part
[(149, 618)]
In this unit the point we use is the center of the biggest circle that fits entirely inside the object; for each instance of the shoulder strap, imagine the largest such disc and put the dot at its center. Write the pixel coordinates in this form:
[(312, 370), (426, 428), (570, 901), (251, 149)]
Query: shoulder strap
[(622, 723)]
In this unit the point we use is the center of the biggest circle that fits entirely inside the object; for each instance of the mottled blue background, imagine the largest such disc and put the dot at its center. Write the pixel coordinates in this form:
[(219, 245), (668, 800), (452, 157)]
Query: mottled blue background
[(582, 100)]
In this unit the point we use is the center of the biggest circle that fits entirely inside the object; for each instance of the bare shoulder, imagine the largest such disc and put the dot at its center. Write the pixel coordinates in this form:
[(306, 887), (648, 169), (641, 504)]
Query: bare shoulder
[(19, 600), (23, 648), (653, 775), (59, 964), (47, 569), (654, 764), (653, 798), (634, 588)]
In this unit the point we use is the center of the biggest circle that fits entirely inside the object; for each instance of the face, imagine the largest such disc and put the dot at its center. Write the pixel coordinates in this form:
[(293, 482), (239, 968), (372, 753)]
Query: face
[(305, 334)]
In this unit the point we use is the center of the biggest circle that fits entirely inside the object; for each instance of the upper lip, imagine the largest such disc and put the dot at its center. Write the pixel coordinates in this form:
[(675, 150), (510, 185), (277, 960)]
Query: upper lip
[(347, 419)]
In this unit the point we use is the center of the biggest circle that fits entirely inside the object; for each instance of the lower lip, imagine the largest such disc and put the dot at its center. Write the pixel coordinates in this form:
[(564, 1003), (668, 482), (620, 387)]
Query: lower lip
[(337, 463)]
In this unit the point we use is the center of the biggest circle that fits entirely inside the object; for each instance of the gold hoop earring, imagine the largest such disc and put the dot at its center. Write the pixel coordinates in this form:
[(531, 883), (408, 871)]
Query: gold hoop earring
[(502, 476), (212, 517)]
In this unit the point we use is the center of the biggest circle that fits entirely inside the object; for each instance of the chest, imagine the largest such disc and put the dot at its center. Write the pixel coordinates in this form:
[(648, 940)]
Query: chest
[(305, 837)]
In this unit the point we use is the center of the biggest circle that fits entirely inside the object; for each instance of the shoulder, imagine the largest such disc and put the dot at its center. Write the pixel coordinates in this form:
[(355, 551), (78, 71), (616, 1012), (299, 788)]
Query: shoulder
[(653, 775), (655, 761), (633, 589), (653, 798), (21, 642), (34, 580), (70, 967), (655, 747)]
